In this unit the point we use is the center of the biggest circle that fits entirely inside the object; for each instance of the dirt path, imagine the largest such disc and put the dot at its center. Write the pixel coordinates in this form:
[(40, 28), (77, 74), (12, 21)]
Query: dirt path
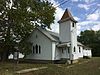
[(29, 70)]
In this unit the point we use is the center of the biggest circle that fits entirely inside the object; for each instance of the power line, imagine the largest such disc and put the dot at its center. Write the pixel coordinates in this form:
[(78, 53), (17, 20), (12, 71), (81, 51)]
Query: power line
[(93, 11), (62, 3)]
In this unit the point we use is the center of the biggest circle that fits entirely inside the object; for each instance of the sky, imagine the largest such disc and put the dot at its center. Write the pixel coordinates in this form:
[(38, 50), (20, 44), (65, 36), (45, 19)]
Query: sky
[(86, 12)]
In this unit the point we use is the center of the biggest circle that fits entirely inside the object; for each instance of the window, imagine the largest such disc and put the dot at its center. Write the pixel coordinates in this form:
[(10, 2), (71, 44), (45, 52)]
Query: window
[(74, 49), (36, 49), (68, 50), (73, 24), (79, 49), (39, 49)]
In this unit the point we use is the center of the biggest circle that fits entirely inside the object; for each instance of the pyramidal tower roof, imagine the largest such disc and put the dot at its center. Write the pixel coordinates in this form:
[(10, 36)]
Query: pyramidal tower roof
[(67, 16)]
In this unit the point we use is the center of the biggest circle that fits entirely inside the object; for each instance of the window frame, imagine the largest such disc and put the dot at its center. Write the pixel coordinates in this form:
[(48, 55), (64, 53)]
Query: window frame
[(39, 49), (73, 24), (74, 49), (36, 49), (79, 49)]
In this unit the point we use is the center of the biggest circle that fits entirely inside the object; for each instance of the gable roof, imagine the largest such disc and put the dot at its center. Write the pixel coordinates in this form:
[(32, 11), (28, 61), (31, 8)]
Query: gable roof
[(67, 16), (49, 34)]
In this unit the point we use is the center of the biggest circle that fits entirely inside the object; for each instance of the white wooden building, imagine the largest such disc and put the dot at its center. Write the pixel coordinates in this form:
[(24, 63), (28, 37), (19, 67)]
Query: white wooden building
[(47, 45)]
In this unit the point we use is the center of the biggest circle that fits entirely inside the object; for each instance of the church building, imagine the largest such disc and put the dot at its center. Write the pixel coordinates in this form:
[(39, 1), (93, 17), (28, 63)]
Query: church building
[(51, 46)]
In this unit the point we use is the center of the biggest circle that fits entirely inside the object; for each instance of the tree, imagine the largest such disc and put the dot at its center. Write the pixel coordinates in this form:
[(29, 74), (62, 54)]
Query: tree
[(17, 20), (92, 39), (87, 37)]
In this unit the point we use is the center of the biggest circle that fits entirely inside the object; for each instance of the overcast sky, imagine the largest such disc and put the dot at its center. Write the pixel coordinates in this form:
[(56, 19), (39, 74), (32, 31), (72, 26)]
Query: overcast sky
[(86, 12)]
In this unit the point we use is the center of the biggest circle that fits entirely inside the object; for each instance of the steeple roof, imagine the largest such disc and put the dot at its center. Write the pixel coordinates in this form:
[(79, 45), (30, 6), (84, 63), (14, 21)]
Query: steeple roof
[(67, 16)]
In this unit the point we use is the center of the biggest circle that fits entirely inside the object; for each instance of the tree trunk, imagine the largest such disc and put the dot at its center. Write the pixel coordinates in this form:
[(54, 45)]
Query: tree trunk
[(4, 56)]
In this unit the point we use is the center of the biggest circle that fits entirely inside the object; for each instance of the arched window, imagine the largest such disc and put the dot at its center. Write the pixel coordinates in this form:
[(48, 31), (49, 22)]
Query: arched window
[(74, 49), (73, 24), (39, 49), (36, 48), (79, 49)]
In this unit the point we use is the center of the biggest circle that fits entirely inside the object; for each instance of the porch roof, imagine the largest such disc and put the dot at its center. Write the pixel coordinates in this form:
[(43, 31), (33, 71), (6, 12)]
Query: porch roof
[(64, 44)]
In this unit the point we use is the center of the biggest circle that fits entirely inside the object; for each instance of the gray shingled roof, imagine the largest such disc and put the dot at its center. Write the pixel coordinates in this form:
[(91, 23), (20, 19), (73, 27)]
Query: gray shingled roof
[(54, 35), (51, 35)]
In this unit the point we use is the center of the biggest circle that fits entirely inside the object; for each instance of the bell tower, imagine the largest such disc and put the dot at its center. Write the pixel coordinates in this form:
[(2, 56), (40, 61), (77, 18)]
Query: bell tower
[(68, 32)]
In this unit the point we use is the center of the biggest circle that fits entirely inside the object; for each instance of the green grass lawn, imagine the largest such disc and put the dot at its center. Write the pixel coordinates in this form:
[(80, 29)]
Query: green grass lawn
[(92, 67)]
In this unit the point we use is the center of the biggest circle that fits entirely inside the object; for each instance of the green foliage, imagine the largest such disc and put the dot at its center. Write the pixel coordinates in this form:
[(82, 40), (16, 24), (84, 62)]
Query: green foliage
[(18, 19), (92, 39)]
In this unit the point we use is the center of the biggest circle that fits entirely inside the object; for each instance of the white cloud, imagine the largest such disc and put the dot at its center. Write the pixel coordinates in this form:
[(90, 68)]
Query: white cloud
[(76, 18), (98, 5), (58, 15), (95, 16), (84, 6), (89, 1), (55, 3), (84, 23), (75, 0), (96, 27), (86, 1), (88, 25)]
